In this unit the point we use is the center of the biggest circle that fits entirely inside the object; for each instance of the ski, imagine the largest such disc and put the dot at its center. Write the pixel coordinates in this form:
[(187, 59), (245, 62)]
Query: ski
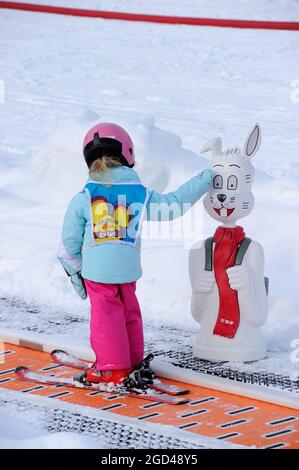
[(64, 358), (24, 373)]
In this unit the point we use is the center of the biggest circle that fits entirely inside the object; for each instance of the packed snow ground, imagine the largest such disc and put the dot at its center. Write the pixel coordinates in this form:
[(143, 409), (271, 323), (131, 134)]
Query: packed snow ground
[(15, 433), (173, 88)]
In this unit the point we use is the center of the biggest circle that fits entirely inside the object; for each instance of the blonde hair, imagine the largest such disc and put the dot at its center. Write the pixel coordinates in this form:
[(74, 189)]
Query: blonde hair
[(102, 164)]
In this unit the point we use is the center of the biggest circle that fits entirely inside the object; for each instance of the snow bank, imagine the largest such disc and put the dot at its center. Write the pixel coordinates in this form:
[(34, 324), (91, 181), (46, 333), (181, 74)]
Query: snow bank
[(60, 170), (16, 184), (17, 434)]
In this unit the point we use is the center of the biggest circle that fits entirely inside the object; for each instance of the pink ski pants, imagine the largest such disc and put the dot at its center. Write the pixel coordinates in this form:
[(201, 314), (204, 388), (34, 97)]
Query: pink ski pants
[(116, 330)]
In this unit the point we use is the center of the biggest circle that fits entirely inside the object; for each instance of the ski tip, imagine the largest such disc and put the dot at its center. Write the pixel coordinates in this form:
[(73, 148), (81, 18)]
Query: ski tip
[(178, 391), (177, 401), (184, 391), (21, 370)]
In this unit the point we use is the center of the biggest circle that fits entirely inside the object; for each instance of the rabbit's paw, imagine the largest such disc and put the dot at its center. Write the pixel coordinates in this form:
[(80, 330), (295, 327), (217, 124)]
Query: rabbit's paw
[(205, 282), (239, 277)]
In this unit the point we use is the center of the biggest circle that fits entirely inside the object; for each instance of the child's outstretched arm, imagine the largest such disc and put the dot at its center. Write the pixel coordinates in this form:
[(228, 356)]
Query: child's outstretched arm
[(172, 205), (69, 253)]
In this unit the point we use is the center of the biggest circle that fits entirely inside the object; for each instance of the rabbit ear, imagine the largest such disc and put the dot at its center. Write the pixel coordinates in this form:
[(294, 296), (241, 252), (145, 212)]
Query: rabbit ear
[(253, 141), (213, 145)]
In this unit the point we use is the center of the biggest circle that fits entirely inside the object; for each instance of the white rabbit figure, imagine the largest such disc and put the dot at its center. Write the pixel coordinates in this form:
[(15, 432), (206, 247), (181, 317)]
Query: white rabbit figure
[(229, 295)]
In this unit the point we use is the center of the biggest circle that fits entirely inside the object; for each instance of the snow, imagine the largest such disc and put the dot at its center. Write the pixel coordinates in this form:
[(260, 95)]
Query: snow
[(15, 433), (172, 88)]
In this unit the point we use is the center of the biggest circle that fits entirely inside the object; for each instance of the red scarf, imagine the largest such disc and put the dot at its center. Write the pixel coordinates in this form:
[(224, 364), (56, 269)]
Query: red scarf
[(225, 252)]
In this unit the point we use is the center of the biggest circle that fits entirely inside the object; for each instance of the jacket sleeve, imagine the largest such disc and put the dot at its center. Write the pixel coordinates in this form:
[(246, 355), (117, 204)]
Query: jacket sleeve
[(69, 253), (172, 205)]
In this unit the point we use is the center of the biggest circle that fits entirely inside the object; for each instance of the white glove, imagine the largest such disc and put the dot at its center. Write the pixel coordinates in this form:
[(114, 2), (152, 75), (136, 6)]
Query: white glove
[(239, 277), (204, 283)]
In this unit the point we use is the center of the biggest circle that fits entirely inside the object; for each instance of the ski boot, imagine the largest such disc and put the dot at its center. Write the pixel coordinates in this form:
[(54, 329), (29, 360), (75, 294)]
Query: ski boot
[(93, 375)]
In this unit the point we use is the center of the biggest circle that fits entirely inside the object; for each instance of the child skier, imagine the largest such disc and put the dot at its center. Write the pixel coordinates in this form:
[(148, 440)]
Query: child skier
[(100, 247)]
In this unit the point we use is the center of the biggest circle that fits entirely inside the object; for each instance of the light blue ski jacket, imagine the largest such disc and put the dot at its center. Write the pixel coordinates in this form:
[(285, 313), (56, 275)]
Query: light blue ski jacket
[(101, 234)]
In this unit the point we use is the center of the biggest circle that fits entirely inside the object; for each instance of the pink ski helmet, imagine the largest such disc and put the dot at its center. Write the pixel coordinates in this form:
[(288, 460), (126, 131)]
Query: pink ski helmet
[(109, 138)]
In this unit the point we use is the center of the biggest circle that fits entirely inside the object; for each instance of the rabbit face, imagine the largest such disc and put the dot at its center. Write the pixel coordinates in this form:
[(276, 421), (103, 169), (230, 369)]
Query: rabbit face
[(229, 196)]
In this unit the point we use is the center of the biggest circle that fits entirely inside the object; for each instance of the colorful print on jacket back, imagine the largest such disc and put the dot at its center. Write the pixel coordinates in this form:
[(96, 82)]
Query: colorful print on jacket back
[(116, 211)]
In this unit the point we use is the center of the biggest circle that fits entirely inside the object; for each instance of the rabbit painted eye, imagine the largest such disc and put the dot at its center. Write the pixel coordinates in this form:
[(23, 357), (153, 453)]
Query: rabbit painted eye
[(232, 182), (218, 182)]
